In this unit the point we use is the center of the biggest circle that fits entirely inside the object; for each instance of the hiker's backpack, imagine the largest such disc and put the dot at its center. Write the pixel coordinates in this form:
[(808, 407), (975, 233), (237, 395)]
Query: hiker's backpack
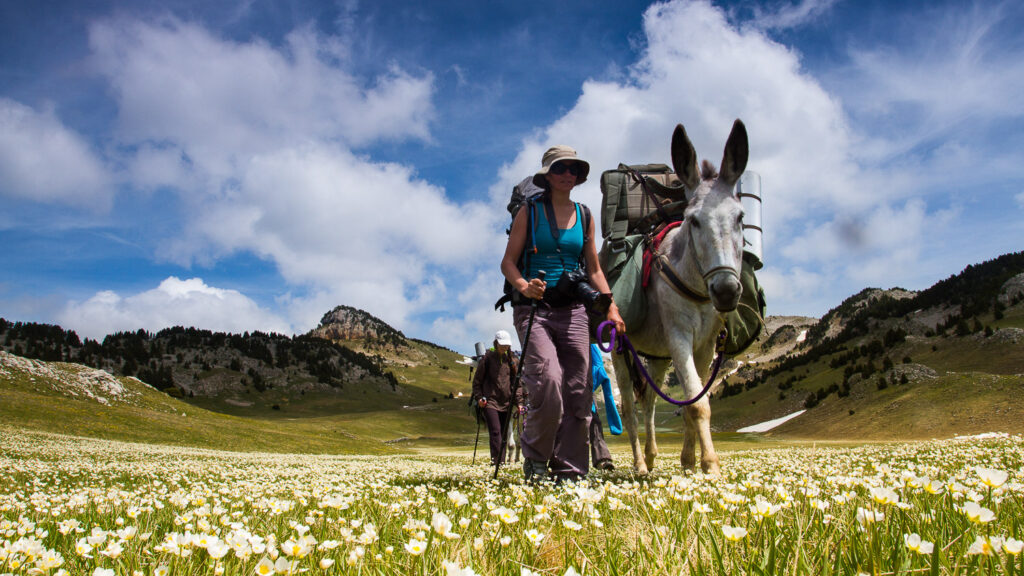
[(521, 192), (523, 195), (626, 209), (628, 213)]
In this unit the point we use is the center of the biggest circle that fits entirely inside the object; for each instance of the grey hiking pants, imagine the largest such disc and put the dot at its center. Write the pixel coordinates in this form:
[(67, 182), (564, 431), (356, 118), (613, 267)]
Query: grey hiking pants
[(559, 397), (598, 447)]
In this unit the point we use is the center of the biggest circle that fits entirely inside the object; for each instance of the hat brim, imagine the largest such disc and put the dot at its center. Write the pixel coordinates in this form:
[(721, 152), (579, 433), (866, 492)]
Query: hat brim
[(541, 182)]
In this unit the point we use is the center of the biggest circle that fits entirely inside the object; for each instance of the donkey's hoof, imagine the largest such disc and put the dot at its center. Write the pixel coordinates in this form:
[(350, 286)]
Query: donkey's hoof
[(711, 468)]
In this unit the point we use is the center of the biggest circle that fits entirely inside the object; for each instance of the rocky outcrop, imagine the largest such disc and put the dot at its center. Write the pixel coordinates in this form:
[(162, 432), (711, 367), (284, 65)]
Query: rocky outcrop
[(1013, 290), (347, 323)]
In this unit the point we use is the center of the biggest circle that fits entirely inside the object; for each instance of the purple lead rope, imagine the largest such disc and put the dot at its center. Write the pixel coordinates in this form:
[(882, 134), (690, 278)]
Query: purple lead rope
[(619, 343)]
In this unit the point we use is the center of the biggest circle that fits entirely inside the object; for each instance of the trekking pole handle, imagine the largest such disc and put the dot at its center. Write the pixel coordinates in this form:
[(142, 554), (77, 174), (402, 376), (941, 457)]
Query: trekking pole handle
[(540, 276)]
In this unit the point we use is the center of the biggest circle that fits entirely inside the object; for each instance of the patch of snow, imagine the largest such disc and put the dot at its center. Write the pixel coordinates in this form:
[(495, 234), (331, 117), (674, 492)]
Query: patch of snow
[(802, 336), (983, 436), (766, 426)]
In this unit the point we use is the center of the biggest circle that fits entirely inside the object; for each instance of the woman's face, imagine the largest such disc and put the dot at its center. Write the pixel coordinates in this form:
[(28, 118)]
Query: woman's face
[(562, 176)]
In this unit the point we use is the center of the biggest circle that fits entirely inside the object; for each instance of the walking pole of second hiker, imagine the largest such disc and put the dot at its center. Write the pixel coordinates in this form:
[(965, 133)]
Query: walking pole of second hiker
[(477, 443), (515, 382)]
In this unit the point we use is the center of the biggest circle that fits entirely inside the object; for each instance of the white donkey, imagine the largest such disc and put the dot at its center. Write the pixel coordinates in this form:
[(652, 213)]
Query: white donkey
[(704, 254)]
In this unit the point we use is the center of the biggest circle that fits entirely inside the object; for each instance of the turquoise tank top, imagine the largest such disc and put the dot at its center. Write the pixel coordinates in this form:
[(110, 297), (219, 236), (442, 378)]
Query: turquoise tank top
[(553, 257)]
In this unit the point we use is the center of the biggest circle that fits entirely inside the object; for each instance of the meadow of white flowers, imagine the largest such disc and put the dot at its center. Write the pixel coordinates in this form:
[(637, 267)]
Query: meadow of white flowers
[(80, 506)]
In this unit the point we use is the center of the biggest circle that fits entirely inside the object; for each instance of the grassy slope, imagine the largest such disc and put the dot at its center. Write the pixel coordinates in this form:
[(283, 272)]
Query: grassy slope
[(31, 402), (975, 391)]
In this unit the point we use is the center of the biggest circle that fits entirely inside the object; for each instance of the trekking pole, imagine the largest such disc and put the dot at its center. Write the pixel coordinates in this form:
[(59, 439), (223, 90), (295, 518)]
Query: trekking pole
[(515, 381), (477, 443)]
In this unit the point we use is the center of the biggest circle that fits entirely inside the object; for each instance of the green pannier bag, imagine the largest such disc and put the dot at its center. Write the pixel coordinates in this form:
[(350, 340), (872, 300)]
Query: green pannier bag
[(623, 268), (745, 323)]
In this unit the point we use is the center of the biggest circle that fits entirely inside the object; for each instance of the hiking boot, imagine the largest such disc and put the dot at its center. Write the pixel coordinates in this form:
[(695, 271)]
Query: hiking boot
[(534, 471), (604, 465), (564, 477)]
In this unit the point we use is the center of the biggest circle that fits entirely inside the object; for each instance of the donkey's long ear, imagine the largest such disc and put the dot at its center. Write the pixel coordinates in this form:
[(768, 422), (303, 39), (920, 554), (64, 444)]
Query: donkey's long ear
[(737, 149), (684, 159)]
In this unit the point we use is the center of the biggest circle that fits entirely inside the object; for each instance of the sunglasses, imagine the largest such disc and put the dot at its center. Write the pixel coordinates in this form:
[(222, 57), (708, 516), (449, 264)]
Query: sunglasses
[(560, 168)]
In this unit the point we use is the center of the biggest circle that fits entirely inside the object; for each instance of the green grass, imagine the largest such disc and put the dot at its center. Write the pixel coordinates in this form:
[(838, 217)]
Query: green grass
[(31, 402), (95, 507)]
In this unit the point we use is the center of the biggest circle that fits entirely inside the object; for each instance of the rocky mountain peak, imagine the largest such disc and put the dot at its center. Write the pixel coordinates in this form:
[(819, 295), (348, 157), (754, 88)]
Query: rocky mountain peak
[(347, 323)]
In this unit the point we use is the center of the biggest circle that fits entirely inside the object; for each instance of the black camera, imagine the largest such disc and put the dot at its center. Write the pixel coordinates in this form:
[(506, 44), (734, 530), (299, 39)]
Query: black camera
[(574, 286)]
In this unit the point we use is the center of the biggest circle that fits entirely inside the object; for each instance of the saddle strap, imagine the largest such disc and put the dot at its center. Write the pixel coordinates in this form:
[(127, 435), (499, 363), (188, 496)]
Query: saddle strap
[(677, 284)]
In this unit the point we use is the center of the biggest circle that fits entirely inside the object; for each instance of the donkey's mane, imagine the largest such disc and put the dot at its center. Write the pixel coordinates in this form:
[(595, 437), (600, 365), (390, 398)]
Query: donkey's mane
[(707, 170)]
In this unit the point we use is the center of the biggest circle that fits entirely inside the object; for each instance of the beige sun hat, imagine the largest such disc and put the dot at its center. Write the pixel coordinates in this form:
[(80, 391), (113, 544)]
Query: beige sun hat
[(556, 154)]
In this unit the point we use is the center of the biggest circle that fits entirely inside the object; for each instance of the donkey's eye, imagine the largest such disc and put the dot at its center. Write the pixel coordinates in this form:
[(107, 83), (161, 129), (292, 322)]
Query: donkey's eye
[(739, 220), (695, 223)]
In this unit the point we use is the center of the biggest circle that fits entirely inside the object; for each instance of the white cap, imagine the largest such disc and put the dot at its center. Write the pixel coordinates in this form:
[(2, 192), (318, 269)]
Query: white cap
[(502, 338)]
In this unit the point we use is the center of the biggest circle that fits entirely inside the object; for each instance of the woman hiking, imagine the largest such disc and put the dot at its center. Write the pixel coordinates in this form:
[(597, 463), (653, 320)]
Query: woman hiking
[(557, 356)]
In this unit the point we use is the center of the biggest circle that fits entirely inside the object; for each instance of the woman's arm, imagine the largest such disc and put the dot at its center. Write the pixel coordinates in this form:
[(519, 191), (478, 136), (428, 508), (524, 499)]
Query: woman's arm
[(597, 279), (516, 243)]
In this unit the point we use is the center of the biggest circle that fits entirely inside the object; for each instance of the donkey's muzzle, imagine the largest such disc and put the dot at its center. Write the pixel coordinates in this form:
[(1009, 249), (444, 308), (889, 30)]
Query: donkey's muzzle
[(724, 288)]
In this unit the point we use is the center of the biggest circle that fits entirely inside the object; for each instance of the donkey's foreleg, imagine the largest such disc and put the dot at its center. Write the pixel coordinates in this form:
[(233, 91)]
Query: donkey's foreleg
[(700, 415), (657, 370), (697, 420), (625, 385)]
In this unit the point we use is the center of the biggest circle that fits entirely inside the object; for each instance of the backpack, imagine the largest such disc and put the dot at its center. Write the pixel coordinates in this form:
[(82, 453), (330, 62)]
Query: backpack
[(521, 192), (629, 207), (631, 211), (530, 199)]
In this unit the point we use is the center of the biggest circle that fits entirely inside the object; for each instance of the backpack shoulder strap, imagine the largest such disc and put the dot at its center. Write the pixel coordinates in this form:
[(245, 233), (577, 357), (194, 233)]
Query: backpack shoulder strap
[(586, 221), (549, 215)]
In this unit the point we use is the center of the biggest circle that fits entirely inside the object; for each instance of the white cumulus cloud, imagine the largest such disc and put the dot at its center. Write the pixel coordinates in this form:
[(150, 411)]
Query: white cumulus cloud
[(43, 160), (174, 302), (261, 144)]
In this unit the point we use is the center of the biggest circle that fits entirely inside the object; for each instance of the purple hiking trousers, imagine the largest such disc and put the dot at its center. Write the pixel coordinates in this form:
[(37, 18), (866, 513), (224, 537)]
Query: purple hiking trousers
[(556, 427)]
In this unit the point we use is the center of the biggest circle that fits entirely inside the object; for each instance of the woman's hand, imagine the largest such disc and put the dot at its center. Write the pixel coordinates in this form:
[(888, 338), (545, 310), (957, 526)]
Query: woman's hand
[(614, 316), (534, 289)]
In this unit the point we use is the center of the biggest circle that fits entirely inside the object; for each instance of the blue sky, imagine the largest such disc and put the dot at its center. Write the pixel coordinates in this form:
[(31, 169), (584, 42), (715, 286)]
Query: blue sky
[(250, 165)]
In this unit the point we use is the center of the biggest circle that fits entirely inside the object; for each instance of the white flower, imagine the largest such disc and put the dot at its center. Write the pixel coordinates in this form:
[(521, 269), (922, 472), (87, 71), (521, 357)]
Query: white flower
[(992, 478), (916, 544), (265, 567), (865, 517), (1012, 546), (102, 572), (985, 546), (978, 514), (764, 509), (734, 534), (454, 569), (416, 547), (458, 498), (506, 515), (441, 523), (326, 563), (884, 496), (534, 537)]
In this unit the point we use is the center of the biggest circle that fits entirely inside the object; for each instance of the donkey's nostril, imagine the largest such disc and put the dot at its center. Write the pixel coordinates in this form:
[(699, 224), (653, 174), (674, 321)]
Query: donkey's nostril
[(725, 292)]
